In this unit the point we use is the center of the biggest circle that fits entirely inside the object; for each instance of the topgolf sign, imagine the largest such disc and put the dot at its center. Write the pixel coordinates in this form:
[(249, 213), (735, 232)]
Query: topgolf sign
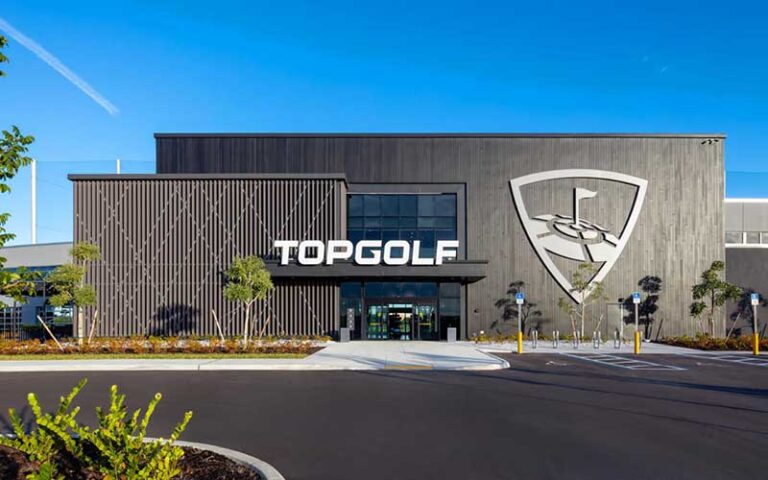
[(364, 252)]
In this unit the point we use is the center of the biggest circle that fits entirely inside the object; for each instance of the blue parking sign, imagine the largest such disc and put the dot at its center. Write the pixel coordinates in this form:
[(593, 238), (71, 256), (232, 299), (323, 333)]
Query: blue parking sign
[(755, 298), (635, 297), (520, 297)]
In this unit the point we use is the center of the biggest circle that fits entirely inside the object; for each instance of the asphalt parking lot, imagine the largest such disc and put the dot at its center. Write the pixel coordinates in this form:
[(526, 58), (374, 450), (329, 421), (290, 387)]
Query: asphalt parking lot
[(548, 416)]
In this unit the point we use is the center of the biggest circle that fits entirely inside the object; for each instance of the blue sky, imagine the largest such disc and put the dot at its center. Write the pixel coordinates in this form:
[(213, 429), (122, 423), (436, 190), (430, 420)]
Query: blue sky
[(395, 66)]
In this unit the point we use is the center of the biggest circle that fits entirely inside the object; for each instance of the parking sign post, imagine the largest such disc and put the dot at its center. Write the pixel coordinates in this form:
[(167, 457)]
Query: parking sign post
[(519, 299), (755, 298), (636, 301)]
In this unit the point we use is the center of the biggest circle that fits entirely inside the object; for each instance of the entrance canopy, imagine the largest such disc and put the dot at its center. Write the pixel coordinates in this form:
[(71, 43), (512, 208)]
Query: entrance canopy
[(463, 271)]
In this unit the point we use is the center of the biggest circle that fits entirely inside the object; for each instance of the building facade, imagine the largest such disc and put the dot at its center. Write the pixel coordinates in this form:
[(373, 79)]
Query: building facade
[(551, 211)]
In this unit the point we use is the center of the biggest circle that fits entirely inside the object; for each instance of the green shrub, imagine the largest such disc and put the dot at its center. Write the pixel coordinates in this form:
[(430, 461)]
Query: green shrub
[(121, 449), (51, 437), (707, 342), (117, 448)]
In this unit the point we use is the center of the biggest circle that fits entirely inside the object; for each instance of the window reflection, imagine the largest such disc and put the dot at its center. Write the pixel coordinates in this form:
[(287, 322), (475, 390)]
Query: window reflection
[(427, 218)]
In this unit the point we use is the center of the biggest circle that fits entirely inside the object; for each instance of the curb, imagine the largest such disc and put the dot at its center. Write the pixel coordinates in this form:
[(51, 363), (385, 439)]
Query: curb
[(265, 470), (51, 366)]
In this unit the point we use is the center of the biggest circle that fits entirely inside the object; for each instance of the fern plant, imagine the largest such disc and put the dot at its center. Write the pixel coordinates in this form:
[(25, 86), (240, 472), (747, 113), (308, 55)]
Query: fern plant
[(51, 436), (122, 451)]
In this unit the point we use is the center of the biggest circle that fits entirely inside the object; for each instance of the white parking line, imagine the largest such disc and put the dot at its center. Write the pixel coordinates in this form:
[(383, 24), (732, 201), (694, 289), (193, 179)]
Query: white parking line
[(733, 358), (622, 362)]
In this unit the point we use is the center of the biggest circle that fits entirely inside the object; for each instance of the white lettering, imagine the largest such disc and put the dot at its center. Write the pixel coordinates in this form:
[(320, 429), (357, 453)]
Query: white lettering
[(402, 245), (338, 250), (365, 252), (374, 247), (304, 247), (285, 247), (446, 249), (417, 259)]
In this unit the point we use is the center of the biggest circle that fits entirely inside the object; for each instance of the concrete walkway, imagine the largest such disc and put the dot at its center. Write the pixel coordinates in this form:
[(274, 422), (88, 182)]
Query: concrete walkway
[(381, 355)]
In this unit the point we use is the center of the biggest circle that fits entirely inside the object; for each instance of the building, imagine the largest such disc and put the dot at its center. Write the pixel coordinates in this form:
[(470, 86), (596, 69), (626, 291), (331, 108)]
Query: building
[(746, 256), (18, 321), (509, 208)]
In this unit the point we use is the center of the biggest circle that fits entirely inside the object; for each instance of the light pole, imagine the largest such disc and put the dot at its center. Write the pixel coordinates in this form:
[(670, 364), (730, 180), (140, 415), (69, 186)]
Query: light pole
[(636, 301)]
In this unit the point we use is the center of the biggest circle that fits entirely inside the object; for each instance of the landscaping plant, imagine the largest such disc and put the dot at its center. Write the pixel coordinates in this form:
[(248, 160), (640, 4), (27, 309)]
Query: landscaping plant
[(711, 294), (248, 280), (590, 292), (68, 282), (13, 157), (115, 450), (510, 310)]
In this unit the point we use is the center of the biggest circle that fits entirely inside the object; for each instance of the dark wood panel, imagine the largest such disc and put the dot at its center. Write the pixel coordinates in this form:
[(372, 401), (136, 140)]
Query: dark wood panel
[(679, 232)]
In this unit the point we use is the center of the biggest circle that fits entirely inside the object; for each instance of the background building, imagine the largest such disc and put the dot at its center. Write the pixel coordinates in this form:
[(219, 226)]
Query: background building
[(18, 321)]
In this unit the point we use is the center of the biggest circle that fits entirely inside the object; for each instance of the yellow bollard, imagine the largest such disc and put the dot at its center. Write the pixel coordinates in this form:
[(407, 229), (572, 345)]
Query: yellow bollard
[(756, 344), (637, 343), (519, 342)]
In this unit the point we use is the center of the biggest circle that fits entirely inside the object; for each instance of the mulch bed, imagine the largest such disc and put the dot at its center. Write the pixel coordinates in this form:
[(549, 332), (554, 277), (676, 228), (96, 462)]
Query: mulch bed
[(196, 465)]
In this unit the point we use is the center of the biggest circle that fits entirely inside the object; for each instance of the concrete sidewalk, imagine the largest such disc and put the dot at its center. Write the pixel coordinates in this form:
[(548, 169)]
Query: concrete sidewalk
[(382, 355)]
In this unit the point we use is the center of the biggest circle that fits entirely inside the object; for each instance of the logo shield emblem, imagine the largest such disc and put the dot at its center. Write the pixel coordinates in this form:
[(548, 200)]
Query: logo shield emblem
[(572, 235)]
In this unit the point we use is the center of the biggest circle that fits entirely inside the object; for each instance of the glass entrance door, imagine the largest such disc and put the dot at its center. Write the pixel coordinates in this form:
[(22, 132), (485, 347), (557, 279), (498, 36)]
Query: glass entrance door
[(402, 321), (426, 322)]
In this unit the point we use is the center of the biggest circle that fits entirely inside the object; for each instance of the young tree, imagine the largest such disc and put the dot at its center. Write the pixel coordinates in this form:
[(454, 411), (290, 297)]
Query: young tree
[(68, 282), (13, 149), (248, 280), (711, 294), (590, 292), (510, 309)]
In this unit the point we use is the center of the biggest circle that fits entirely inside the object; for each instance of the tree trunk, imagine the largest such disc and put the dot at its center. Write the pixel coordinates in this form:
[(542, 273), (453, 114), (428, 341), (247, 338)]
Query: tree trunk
[(583, 308), (733, 325), (80, 326), (247, 323)]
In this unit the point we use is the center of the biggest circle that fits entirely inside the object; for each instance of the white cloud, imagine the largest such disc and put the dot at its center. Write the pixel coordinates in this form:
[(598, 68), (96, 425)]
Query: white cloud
[(56, 64)]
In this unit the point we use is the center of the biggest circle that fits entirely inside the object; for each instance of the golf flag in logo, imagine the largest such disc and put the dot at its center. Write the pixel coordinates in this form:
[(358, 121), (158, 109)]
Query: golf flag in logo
[(570, 234)]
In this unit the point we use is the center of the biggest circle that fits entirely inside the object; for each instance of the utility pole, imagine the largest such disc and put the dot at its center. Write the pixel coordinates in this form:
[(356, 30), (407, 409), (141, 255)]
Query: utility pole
[(117, 166), (33, 192)]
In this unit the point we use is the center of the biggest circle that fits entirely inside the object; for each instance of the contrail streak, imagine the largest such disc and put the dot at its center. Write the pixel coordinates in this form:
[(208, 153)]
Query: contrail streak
[(56, 64)]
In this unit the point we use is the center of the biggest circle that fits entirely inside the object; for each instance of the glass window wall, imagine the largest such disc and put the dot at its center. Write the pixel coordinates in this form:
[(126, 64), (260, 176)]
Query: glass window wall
[(427, 218)]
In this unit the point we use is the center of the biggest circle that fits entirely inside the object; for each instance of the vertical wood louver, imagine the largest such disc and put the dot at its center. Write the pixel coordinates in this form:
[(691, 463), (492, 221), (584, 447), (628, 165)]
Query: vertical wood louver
[(166, 243)]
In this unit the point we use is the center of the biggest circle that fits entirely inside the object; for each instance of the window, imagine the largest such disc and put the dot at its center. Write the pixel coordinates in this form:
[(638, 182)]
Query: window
[(764, 237), (427, 218), (753, 237), (734, 237)]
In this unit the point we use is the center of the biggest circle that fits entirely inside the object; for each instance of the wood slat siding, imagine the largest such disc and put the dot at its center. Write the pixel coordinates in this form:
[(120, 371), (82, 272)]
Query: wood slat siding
[(166, 243), (679, 232)]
